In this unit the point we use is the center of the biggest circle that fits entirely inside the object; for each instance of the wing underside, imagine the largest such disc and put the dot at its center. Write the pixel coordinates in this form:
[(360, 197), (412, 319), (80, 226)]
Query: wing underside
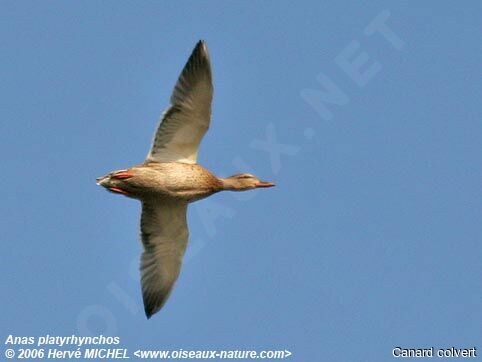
[(164, 236), (187, 119)]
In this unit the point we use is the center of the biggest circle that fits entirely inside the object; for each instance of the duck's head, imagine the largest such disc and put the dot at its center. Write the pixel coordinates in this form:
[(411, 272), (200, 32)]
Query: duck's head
[(244, 181)]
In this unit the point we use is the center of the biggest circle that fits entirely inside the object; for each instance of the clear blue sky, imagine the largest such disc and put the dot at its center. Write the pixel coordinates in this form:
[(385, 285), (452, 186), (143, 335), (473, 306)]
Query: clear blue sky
[(371, 239)]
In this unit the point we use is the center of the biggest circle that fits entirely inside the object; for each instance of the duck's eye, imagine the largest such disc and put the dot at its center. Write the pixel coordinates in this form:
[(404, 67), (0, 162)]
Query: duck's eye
[(247, 175)]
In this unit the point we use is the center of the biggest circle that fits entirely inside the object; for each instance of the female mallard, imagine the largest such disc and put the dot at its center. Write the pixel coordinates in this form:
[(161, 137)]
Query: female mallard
[(170, 178)]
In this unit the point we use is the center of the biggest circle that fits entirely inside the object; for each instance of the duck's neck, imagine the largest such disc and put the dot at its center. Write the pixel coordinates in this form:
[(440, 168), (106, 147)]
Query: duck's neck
[(232, 184)]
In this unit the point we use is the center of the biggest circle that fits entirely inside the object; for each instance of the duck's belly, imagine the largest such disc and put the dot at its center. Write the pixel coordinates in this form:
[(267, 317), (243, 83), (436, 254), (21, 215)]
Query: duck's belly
[(171, 179)]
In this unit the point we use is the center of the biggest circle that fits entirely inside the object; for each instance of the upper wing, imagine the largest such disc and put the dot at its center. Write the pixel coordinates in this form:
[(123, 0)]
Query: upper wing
[(186, 121), (164, 236)]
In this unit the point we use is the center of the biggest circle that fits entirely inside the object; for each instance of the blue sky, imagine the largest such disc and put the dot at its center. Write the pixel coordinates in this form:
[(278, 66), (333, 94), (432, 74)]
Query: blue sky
[(372, 237)]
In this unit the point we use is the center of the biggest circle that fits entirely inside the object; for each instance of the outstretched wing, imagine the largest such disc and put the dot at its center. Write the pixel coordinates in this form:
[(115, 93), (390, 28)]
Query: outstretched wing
[(164, 235), (186, 121)]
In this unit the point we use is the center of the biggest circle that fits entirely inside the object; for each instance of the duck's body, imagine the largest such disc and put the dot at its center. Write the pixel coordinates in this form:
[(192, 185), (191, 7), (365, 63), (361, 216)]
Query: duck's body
[(174, 180), (170, 178)]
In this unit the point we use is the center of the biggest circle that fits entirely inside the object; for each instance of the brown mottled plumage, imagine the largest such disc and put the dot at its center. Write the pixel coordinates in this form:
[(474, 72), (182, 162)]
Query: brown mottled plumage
[(184, 181), (170, 178)]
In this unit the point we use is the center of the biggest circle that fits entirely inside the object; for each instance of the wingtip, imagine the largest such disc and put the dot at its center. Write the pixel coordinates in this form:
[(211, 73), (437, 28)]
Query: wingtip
[(202, 48), (151, 308), (149, 312)]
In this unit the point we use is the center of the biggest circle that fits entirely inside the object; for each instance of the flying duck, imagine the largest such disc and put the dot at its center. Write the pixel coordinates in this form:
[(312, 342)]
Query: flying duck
[(170, 178)]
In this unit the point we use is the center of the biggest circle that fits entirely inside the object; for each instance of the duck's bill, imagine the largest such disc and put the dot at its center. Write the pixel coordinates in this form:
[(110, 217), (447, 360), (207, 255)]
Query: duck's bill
[(264, 184)]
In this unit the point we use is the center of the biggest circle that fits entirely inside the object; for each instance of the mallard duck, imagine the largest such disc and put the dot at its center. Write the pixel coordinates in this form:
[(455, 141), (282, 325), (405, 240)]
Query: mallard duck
[(170, 178)]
